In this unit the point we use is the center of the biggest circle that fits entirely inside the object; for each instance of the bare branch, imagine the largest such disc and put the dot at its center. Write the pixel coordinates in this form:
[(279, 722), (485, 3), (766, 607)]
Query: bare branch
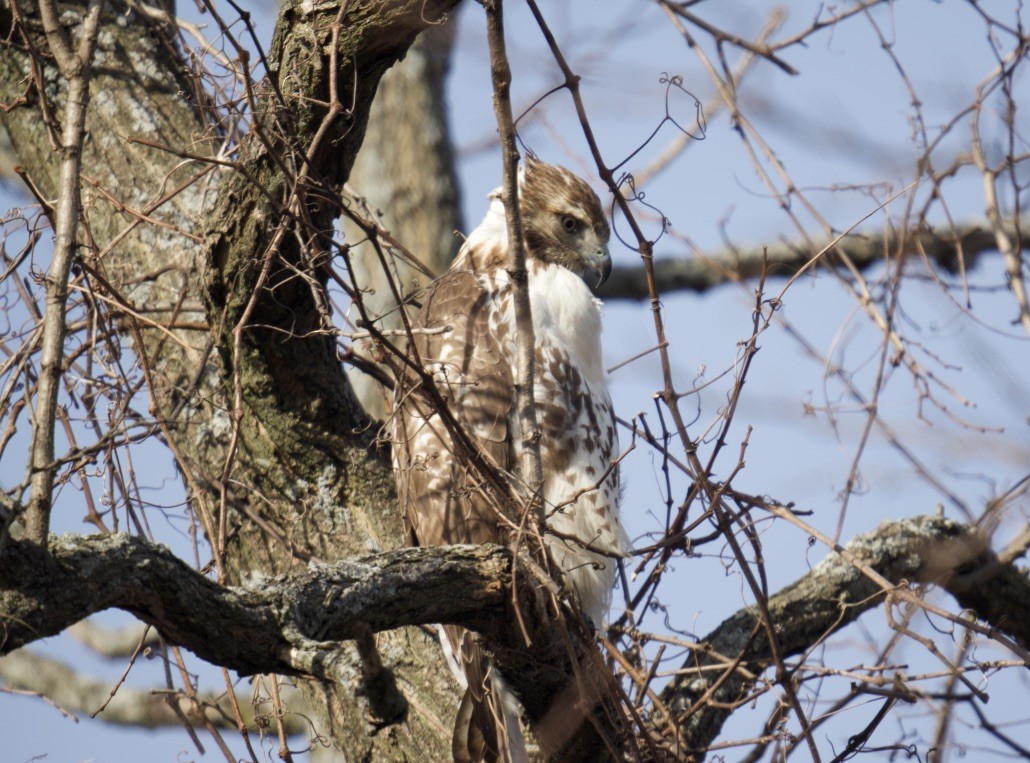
[(758, 48), (26, 672), (291, 622), (525, 409), (1006, 241), (707, 271), (921, 550), (76, 69)]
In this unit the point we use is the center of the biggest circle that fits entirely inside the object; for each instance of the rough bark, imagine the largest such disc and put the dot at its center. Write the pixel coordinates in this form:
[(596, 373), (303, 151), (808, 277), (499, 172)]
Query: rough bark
[(295, 624), (284, 624)]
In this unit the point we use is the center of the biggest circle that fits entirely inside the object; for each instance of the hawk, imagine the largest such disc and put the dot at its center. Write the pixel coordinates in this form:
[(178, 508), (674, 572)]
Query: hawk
[(464, 337)]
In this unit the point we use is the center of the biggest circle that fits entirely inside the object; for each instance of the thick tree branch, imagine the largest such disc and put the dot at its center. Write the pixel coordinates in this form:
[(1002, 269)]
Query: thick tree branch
[(703, 272), (270, 243), (293, 624), (272, 327), (921, 550), (285, 625)]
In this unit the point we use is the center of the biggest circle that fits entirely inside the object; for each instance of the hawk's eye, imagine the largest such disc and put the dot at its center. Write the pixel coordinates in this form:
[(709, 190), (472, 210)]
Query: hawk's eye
[(569, 223)]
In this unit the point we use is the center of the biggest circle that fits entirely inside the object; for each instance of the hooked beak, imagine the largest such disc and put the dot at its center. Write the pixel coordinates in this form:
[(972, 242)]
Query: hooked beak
[(602, 263)]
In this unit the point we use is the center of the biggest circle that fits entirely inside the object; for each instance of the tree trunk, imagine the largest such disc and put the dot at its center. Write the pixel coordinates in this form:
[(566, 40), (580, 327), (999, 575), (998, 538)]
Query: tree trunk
[(301, 480)]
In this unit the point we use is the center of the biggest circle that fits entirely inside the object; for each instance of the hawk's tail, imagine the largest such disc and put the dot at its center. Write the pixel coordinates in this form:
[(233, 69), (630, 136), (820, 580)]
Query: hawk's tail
[(487, 729)]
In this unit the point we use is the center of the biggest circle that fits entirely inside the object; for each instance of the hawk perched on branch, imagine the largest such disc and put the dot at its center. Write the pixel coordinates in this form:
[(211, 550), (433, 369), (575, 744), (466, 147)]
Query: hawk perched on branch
[(465, 339)]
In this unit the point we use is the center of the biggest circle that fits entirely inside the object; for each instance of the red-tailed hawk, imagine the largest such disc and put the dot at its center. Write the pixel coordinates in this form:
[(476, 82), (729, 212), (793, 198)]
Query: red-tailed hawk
[(465, 338)]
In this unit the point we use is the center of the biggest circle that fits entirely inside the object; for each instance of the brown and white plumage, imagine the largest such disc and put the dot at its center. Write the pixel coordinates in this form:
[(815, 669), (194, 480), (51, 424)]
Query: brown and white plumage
[(465, 338)]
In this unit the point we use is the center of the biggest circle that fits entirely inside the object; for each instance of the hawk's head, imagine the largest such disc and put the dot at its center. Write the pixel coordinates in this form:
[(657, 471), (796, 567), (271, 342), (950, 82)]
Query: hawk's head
[(563, 221)]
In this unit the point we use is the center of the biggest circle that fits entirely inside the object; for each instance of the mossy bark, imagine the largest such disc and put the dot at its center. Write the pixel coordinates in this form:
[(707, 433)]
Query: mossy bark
[(304, 464)]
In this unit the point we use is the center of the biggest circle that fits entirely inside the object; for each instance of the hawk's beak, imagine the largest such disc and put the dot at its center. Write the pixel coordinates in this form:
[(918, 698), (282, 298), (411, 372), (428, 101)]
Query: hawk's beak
[(602, 263)]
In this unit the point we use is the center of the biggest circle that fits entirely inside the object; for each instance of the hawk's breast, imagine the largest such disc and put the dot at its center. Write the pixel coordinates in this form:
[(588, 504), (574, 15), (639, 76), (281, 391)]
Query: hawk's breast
[(578, 436)]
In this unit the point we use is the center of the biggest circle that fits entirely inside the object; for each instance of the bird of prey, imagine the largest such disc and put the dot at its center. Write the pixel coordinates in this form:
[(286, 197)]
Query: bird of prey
[(465, 338)]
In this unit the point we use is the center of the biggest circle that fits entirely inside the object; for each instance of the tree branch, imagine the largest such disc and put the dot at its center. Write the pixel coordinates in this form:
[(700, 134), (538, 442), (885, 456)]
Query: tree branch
[(76, 68), (25, 672), (704, 272), (528, 444), (924, 550), (270, 240), (290, 622)]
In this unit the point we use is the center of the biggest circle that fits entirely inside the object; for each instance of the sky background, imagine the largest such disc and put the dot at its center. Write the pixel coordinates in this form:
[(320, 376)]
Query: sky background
[(844, 121)]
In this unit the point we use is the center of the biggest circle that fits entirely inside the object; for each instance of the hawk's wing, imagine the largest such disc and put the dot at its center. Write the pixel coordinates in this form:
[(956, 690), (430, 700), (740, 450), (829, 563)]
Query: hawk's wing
[(456, 339), (459, 338)]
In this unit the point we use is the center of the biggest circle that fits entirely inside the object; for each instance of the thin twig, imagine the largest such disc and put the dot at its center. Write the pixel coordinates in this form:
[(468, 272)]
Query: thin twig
[(528, 451)]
